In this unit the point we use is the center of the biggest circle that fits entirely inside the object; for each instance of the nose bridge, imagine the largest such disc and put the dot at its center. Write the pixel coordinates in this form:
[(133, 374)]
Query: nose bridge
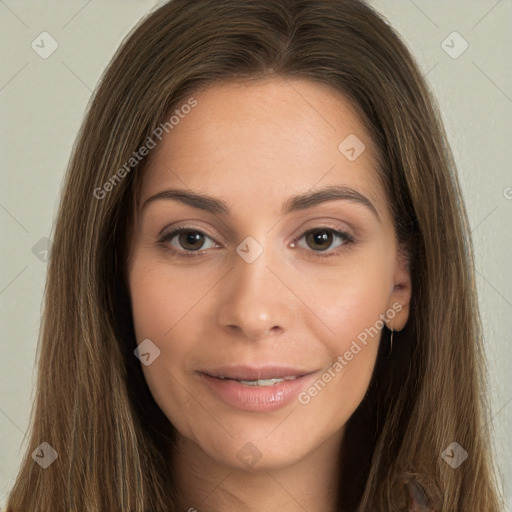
[(255, 302)]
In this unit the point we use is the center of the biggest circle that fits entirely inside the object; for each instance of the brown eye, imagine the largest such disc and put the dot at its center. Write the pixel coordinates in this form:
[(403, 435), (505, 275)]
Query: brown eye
[(187, 241), (191, 240), (319, 239)]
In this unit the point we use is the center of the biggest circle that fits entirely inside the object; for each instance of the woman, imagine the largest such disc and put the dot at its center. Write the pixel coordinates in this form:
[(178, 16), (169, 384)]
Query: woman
[(261, 290)]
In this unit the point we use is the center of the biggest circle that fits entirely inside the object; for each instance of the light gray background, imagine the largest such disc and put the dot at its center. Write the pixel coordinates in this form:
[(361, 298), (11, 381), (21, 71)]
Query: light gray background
[(42, 103)]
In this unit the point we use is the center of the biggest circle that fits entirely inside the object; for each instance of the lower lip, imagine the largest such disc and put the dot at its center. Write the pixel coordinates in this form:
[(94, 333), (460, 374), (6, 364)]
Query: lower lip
[(256, 398)]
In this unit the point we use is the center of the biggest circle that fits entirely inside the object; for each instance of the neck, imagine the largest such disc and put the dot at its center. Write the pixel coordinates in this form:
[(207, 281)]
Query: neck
[(206, 485)]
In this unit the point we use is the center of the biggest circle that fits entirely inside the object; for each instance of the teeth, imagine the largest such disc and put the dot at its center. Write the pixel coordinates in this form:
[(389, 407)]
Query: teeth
[(263, 382)]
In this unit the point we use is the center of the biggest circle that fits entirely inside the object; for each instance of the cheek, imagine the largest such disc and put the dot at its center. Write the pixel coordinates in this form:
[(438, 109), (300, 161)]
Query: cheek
[(348, 305), (164, 305), (167, 308), (346, 302), (162, 297), (355, 322)]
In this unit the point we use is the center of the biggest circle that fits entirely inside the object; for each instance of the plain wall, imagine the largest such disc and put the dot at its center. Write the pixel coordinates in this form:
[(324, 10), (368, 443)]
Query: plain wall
[(42, 103)]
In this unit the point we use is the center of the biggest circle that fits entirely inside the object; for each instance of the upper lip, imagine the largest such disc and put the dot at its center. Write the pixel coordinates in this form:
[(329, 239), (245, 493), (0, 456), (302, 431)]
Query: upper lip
[(255, 373)]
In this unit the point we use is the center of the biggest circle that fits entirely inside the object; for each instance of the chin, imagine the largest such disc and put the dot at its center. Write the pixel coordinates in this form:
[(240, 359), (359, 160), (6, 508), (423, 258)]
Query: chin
[(260, 449)]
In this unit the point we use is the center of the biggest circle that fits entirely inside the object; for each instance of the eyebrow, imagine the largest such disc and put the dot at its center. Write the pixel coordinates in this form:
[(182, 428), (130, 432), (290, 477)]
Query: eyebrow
[(300, 202)]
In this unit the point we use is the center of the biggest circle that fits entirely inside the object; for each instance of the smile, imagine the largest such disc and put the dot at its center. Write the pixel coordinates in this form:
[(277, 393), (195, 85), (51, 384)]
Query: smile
[(261, 382), (261, 393)]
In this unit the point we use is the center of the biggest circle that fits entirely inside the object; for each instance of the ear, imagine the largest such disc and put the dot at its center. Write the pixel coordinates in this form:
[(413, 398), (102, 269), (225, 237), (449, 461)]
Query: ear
[(400, 297)]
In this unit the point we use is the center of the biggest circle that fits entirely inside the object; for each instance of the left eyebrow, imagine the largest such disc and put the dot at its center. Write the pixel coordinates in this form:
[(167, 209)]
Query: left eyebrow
[(299, 202), (331, 193)]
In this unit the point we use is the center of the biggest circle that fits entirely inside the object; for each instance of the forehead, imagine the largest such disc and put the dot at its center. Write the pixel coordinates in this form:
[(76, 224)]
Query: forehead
[(266, 138)]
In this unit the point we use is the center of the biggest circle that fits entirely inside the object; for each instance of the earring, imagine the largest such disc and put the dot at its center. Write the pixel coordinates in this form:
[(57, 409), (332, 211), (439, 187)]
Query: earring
[(390, 344)]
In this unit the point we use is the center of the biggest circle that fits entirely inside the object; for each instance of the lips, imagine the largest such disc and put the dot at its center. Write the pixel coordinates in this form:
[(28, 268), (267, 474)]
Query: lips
[(256, 389), (253, 374)]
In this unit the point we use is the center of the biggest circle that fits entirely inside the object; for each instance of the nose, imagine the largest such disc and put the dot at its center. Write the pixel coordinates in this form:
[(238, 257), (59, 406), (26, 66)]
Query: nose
[(255, 300)]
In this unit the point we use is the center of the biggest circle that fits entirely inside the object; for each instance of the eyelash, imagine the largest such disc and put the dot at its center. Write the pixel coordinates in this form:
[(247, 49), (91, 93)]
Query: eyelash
[(167, 237)]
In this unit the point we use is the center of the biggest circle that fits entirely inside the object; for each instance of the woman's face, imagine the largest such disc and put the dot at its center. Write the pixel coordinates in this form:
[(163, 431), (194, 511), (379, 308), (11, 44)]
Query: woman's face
[(271, 278)]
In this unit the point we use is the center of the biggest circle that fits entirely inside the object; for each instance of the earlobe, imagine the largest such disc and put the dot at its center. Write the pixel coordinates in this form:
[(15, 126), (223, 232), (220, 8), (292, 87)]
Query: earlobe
[(400, 298)]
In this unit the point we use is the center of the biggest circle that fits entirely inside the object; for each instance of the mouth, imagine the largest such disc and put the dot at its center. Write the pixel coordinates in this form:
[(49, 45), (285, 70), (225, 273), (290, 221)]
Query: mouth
[(268, 375), (262, 389), (260, 382)]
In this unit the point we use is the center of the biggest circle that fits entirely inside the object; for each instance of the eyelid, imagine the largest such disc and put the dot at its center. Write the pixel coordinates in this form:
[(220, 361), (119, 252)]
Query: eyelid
[(176, 227), (341, 233), (167, 234), (324, 225), (319, 225)]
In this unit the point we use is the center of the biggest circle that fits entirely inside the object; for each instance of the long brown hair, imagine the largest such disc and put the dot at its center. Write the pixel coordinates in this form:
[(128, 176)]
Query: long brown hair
[(93, 405)]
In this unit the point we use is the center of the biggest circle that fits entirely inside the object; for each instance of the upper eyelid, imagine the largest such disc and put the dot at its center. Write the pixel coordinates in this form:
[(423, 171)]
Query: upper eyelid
[(164, 233), (227, 231), (174, 231)]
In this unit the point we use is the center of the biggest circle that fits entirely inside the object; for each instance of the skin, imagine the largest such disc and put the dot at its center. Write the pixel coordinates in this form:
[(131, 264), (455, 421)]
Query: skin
[(254, 144)]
